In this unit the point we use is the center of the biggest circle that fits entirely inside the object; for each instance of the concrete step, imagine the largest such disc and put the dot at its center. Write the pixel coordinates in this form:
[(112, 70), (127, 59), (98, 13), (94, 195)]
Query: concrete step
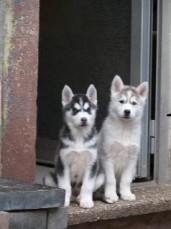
[(151, 198), (19, 195)]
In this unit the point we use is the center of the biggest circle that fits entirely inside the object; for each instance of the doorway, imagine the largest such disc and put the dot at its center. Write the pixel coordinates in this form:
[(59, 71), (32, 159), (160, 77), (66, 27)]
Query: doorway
[(84, 42)]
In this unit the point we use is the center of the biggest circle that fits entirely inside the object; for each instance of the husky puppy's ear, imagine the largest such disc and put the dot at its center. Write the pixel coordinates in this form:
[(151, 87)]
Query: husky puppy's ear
[(67, 95), (142, 90), (117, 84), (92, 94)]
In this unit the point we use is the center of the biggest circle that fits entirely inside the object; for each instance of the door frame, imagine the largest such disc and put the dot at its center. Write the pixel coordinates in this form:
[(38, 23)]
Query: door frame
[(140, 69), (162, 168)]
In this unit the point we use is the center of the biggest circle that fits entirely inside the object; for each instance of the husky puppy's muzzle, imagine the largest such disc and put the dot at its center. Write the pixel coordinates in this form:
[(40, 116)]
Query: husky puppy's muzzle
[(127, 114), (83, 121)]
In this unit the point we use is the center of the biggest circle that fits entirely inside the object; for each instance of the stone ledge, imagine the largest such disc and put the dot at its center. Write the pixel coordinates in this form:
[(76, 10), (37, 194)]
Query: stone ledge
[(19, 195), (150, 199)]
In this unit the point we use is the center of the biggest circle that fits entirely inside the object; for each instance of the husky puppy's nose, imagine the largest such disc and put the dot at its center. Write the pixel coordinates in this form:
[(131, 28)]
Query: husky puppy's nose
[(84, 121), (127, 112)]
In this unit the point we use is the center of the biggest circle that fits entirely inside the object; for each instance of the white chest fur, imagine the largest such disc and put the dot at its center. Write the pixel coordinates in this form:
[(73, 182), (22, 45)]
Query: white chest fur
[(120, 142), (121, 155), (78, 157), (123, 132), (78, 162)]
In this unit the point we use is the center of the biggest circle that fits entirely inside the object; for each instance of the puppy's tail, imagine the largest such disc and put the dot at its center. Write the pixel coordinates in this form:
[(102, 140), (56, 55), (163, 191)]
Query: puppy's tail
[(50, 180)]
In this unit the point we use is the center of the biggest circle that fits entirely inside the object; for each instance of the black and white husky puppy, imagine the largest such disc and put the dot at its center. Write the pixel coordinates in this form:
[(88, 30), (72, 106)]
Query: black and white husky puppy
[(77, 164)]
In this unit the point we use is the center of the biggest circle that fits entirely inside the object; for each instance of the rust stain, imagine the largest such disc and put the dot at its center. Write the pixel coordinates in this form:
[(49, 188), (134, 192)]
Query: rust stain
[(20, 89)]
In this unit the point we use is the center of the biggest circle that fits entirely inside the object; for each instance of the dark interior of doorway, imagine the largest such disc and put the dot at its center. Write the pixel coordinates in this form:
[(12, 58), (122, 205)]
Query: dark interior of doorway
[(81, 42), (153, 73)]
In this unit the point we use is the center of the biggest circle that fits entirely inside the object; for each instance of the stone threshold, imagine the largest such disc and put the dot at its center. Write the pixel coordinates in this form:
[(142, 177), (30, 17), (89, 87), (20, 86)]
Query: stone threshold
[(151, 198)]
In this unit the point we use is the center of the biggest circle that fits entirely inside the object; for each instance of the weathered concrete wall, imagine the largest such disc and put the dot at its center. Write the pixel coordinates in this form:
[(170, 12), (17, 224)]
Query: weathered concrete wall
[(19, 88), (38, 219), (2, 18)]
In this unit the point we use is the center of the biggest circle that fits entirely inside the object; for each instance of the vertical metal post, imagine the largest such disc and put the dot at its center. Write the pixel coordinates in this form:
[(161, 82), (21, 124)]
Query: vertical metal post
[(163, 91), (140, 67)]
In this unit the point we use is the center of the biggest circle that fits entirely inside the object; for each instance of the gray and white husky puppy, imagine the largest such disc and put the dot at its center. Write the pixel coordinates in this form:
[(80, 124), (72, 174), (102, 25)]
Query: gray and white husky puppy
[(77, 164), (119, 138)]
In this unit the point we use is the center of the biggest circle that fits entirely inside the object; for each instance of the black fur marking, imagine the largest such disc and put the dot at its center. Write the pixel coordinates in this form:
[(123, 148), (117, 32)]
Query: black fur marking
[(79, 185), (93, 146), (66, 133), (91, 134), (60, 166), (76, 99), (94, 169), (73, 184), (75, 111), (88, 110), (63, 145)]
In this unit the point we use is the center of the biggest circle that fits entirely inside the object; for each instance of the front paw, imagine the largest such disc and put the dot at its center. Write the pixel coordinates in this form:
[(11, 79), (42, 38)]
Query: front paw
[(111, 197), (86, 202), (128, 196)]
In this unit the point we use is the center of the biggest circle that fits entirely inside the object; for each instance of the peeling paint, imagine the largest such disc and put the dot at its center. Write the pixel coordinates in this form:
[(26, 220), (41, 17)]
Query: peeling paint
[(9, 32), (0, 130), (2, 21), (7, 49)]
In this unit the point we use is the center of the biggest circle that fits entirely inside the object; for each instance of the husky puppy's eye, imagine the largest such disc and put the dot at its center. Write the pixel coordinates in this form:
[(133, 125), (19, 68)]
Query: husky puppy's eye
[(134, 103), (75, 110), (121, 101), (88, 110)]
